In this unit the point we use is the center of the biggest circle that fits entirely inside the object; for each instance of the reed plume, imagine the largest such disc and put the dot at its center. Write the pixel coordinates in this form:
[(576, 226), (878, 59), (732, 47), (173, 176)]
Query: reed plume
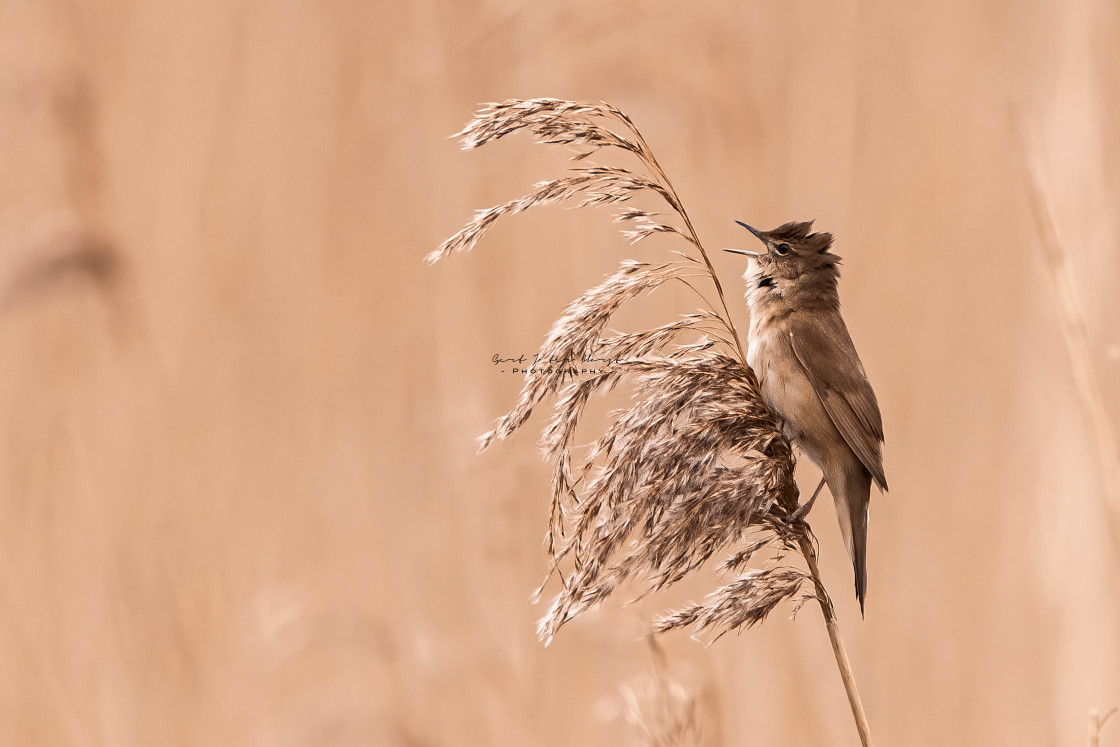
[(661, 708), (697, 464)]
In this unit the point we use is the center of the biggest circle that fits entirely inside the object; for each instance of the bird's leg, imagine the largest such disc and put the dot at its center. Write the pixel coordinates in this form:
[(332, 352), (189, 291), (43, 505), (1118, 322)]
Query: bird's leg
[(803, 510)]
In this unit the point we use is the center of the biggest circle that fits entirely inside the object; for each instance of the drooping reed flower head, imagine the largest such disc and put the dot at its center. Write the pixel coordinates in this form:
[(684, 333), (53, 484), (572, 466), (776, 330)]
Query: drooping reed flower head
[(697, 463)]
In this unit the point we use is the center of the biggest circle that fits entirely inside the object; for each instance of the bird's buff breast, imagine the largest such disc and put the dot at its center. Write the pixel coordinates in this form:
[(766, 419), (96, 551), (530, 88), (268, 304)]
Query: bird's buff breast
[(788, 391)]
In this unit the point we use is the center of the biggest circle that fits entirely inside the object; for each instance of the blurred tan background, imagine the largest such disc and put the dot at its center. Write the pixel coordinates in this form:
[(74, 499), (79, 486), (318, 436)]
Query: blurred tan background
[(239, 501)]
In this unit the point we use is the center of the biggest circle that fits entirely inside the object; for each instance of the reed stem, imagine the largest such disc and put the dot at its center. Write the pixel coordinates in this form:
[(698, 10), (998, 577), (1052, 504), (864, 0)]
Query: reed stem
[(838, 649), (1096, 721)]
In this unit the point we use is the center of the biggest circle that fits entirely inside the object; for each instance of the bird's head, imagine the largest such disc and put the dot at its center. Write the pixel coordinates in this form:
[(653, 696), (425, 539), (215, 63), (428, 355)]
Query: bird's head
[(791, 252)]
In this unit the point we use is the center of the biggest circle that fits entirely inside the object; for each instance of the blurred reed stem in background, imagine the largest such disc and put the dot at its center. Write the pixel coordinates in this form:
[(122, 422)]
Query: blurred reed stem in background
[(1071, 314)]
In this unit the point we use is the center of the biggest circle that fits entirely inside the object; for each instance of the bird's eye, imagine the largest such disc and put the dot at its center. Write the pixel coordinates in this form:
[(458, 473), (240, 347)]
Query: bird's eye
[(782, 249)]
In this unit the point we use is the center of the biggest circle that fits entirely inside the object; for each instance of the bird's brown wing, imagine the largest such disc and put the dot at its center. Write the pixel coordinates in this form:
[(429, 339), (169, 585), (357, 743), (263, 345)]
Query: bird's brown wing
[(825, 350)]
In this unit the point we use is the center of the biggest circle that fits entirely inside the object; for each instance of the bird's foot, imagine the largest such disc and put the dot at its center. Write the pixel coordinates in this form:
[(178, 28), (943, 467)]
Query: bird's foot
[(803, 510)]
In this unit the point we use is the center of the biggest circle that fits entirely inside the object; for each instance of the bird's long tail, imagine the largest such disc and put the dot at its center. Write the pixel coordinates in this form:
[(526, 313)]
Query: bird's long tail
[(851, 491)]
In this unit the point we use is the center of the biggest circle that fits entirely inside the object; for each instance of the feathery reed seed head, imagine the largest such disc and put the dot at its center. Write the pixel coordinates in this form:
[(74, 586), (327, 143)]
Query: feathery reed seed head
[(697, 464)]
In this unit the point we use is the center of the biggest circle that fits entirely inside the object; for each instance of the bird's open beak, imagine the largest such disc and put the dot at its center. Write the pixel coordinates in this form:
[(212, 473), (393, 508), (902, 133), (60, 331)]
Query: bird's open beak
[(752, 229), (758, 235)]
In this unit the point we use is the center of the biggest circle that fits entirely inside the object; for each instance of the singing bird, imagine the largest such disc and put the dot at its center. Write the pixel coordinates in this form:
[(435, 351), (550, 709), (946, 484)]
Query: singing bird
[(803, 356)]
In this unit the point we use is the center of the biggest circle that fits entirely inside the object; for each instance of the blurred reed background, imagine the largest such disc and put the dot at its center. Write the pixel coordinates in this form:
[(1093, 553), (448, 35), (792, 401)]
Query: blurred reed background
[(239, 501)]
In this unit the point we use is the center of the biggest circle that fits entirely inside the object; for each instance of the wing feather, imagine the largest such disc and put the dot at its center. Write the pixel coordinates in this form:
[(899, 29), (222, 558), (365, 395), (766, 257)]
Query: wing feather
[(826, 353)]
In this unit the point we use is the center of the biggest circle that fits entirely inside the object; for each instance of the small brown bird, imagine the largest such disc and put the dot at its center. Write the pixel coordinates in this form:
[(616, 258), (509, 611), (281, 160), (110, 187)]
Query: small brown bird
[(811, 376)]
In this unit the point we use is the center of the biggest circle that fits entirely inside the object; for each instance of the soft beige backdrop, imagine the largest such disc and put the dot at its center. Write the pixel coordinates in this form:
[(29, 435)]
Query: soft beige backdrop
[(239, 503)]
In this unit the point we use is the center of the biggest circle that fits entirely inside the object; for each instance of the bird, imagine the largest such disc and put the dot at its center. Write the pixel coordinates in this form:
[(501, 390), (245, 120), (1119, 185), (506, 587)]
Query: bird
[(811, 376)]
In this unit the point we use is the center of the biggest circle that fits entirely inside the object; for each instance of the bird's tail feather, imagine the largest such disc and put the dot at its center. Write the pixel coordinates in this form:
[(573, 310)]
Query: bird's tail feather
[(851, 491)]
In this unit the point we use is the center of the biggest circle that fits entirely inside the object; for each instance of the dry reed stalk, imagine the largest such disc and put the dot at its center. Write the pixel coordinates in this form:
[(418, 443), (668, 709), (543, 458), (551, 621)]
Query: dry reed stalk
[(1096, 722), (698, 463), (1075, 332)]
